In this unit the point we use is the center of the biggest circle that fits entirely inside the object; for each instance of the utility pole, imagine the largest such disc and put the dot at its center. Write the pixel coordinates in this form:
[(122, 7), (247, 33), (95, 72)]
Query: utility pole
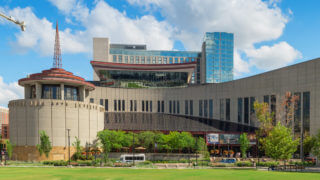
[(69, 144)]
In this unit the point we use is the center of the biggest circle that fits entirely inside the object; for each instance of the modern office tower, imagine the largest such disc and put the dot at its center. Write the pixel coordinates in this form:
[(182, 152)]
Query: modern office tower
[(217, 57)]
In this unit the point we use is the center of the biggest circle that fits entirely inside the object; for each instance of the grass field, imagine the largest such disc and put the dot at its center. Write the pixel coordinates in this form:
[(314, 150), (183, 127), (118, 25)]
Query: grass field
[(154, 174)]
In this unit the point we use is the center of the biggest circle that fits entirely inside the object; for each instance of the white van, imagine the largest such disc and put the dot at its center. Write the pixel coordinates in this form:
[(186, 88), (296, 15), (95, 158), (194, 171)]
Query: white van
[(129, 157)]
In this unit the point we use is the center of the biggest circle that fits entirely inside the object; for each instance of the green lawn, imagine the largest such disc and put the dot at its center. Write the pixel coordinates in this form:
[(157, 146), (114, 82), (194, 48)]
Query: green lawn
[(153, 174)]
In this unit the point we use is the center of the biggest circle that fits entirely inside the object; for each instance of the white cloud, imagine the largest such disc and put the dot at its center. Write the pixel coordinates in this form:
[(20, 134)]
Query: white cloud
[(241, 65), (64, 5), (9, 91), (272, 57)]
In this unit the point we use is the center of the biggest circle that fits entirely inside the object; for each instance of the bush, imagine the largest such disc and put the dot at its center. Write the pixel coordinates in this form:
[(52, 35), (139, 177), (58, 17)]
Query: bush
[(268, 164), (122, 164), (146, 163), (305, 163), (56, 163), (244, 164)]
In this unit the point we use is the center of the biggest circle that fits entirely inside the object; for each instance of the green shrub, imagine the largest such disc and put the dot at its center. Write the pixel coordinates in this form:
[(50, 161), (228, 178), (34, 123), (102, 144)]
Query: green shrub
[(268, 164), (146, 163), (305, 163), (244, 164)]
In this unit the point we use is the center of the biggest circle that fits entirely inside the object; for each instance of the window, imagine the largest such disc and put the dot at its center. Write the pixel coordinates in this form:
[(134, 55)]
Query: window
[(101, 102), (186, 107), (170, 107), (165, 60), (228, 109), (240, 110), (147, 106), (273, 108), (178, 107), (174, 107), (120, 58), (297, 116), (211, 108), (91, 100), (200, 108), (191, 107), (150, 106), (246, 110), (205, 108), (159, 60), (170, 60), (306, 113), (126, 59), (162, 106), (176, 60), (142, 106), (131, 105), (106, 105), (71, 93), (222, 115), (114, 58), (115, 105), (159, 107), (143, 60), (123, 105), (153, 60), (51, 91), (32, 92), (137, 59), (119, 105), (266, 99), (135, 105), (148, 60), (131, 59)]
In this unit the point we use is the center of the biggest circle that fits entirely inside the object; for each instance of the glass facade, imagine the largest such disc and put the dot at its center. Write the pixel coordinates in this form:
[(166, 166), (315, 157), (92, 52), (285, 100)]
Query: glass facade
[(51, 91), (71, 93), (142, 79), (219, 56)]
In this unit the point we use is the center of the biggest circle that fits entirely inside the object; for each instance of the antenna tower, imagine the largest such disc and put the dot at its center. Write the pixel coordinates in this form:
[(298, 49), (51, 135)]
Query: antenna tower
[(57, 50)]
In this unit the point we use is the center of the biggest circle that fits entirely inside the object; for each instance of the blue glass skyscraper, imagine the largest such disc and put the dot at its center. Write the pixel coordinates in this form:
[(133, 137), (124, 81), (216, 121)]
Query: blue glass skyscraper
[(218, 57)]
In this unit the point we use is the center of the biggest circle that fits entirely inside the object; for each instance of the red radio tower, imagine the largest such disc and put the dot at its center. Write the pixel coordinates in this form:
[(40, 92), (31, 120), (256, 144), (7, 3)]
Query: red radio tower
[(57, 50)]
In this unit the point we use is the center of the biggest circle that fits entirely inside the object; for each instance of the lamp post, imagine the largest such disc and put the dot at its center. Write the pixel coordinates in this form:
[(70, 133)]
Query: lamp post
[(69, 144)]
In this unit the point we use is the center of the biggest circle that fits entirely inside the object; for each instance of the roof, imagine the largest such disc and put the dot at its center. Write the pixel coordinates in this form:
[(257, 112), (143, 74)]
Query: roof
[(56, 75)]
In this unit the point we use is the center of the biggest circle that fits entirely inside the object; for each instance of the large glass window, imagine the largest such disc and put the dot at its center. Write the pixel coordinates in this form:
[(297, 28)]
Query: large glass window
[(115, 105), (170, 107), (106, 104), (120, 58), (159, 107), (71, 93), (266, 99), (50, 91), (126, 59), (150, 106), (205, 108), (191, 107), (123, 105), (147, 106), (131, 105), (222, 109), (200, 108), (228, 109), (211, 108), (174, 107), (186, 107), (162, 106), (240, 110), (297, 116), (306, 113), (178, 107), (101, 102), (142, 106), (246, 110), (119, 105), (114, 58), (135, 105)]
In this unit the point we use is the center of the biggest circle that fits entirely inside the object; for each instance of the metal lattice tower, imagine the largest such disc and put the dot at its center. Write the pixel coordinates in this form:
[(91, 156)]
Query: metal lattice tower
[(57, 50)]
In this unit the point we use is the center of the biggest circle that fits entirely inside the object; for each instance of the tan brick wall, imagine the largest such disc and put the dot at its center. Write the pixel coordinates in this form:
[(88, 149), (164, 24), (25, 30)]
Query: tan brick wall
[(30, 153)]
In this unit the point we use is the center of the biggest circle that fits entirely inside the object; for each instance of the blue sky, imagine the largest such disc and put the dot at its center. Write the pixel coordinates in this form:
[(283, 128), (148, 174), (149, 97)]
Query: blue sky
[(269, 34)]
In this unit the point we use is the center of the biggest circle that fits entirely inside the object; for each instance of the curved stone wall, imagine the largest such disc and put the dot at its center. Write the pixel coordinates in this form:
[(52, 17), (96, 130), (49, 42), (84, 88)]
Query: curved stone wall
[(28, 117)]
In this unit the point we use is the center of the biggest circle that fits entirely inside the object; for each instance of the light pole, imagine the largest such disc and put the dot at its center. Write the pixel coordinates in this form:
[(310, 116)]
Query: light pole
[(69, 144)]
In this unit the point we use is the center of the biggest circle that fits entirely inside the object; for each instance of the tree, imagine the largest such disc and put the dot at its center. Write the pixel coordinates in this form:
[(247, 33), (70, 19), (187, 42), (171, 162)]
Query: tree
[(103, 136), (200, 146), (78, 148), (147, 139), (10, 147), (45, 144), (308, 144), (316, 146), (264, 118), (244, 144), (279, 144)]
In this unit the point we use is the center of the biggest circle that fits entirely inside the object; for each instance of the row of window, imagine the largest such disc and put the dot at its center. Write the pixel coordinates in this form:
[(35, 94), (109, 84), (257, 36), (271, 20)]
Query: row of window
[(151, 59)]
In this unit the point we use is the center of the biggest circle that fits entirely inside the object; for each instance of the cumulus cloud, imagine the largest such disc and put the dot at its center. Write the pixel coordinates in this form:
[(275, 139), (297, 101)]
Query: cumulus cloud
[(9, 91), (272, 57), (251, 21)]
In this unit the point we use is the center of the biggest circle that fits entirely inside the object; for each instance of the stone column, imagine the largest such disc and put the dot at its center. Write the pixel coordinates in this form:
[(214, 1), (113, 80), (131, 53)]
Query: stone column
[(38, 90), (62, 91)]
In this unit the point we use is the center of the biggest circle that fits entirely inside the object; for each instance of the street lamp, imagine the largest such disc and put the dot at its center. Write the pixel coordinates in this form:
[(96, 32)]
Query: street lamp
[(69, 144), (19, 23)]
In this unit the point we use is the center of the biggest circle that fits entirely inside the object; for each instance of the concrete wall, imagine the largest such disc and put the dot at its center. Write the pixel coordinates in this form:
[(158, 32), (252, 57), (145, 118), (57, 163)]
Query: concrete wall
[(28, 117)]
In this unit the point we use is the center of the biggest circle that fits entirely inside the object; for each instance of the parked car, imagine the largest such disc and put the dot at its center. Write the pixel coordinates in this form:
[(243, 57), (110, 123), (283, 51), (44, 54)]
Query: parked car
[(228, 160)]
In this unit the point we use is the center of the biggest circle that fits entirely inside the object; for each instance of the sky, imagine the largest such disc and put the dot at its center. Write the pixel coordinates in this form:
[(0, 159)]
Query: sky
[(269, 34)]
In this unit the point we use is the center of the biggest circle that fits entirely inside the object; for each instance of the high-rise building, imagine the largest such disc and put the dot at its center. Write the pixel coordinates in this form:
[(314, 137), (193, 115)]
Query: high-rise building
[(217, 57)]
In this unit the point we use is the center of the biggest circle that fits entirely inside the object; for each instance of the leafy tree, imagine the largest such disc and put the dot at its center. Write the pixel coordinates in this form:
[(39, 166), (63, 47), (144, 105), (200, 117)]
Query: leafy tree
[(10, 147), (308, 144), (244, 144), (45, 144), (200, 146), (78, 148), (104, 139), (147, 139), (264, 117), (279, 144), (316, 146)]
